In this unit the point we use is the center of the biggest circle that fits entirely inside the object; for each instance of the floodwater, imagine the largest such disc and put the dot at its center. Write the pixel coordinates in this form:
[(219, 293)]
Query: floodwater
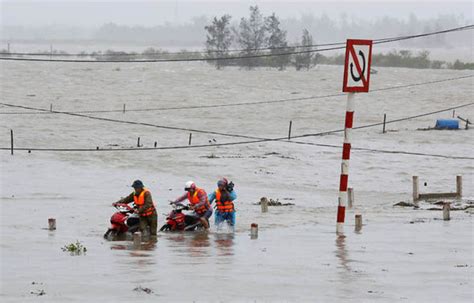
[(401, 255)]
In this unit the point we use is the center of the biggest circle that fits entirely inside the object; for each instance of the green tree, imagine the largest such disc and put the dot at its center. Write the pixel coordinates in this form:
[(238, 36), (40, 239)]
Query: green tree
[(219, 39), (251, 37), (305, 60), (277, 43)]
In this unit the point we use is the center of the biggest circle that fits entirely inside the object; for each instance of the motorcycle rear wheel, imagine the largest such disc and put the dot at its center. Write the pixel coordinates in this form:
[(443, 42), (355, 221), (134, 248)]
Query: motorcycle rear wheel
[(110, 234)]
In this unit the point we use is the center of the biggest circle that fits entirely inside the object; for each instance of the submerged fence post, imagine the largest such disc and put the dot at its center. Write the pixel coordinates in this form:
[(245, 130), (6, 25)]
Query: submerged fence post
[(51, 107), (264, 204), (358, 222), (350, 197), (459, 186), (156, 143), (11, 138), (384, 119), (289, 130), (123, 111), (254, 231), (137, 239), (446, 208), (416, 193), (190, 138), (454, 112), (52, 224), (138, 142)]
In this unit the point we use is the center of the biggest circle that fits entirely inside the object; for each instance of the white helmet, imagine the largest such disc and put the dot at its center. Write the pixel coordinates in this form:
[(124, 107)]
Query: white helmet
[(189, 185)]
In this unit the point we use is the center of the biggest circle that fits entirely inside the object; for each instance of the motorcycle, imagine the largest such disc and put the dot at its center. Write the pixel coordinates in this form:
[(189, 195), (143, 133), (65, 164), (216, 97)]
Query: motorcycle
[(122, 221), (178, 221)]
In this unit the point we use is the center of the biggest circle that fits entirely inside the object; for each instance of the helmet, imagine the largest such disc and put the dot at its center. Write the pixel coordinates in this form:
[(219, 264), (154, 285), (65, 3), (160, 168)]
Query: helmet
[(222, 182), (189, 185), (137, 184)]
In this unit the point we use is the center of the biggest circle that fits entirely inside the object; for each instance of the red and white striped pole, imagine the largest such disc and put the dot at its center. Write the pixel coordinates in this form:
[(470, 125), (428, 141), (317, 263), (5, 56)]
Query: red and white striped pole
[(346, 154)]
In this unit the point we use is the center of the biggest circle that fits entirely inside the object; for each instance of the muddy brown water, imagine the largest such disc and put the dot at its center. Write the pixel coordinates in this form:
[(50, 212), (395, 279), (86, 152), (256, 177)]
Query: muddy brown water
[(297, 257)]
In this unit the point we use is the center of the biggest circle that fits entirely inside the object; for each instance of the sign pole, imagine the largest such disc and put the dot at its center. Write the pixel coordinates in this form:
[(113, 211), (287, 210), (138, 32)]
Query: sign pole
[(356, 79), (346, 152)]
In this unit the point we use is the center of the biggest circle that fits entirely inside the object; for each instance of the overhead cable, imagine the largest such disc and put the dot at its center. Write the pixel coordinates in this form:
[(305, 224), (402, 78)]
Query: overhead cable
[(286, 53)]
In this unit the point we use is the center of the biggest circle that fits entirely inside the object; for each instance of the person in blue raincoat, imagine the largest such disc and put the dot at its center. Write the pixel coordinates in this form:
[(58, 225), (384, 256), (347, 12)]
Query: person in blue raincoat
[(224, 196)]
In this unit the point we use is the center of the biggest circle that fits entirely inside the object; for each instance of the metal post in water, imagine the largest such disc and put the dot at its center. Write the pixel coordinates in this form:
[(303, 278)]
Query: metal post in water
[(454, 112), (138, 142), (156, 143), (8, 47), (52, 224), (123, 109), (446, 208), (11, 138), (254, 231), (289, 130), (137, 239), (384, 119), (190, 137)]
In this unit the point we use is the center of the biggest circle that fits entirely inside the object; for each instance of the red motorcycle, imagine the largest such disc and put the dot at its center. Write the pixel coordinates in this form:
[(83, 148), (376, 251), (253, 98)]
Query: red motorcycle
[(178, 221), (122, 221)]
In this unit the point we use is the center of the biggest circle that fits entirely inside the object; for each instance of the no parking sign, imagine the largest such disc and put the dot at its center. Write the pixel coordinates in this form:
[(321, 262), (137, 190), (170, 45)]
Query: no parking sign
[(356, 80), (357, 66)]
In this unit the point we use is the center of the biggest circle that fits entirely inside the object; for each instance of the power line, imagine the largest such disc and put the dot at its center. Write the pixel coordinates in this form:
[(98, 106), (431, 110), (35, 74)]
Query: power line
[(380, 41), (173, 60), (166, 53), (44, 111)]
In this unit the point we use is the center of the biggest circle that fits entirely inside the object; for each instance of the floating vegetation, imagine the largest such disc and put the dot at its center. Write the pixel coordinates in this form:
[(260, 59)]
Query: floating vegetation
[(75, 248)]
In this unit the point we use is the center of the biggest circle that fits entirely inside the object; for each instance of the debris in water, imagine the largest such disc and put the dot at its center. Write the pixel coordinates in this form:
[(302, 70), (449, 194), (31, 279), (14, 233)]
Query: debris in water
[(211, 156), (39, 292), (143, 289), (417, 221), (276, 202), (404, 204)]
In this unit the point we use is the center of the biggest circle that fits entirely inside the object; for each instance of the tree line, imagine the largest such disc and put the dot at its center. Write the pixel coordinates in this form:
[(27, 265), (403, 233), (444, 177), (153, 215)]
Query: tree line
[(254, 36), (258, 35)]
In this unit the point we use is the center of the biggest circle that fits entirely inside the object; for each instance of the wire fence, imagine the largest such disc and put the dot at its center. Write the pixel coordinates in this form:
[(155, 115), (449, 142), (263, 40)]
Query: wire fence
[(254, 139)]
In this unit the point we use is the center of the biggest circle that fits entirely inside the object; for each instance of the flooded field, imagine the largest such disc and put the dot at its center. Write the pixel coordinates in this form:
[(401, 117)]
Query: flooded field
[(400, 254)]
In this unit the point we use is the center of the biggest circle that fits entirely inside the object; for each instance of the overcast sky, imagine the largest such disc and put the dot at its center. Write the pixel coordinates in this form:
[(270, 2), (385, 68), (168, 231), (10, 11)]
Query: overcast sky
[(87, 13)]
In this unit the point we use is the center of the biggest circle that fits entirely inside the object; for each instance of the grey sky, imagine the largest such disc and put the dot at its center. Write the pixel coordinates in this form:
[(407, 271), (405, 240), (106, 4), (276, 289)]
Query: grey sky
[(149, 13)]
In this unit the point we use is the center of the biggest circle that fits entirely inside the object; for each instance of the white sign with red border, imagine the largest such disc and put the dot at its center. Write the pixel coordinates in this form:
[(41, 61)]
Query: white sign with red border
[(357, 66)]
